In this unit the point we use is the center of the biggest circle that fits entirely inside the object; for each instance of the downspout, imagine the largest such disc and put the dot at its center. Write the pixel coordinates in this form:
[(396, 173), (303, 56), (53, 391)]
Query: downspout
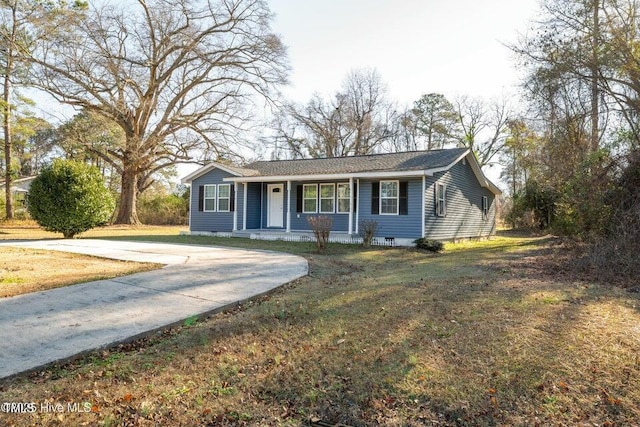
[(235, 207)]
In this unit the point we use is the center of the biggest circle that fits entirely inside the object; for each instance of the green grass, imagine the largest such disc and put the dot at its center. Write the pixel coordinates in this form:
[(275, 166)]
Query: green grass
[(482, 334)]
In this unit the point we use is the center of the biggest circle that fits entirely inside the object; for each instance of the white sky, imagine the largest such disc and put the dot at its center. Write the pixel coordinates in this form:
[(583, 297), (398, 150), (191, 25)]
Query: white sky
[(452, 47)]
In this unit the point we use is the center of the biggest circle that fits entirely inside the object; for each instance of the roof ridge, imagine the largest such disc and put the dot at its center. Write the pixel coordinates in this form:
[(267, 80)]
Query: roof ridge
[(359, 155)]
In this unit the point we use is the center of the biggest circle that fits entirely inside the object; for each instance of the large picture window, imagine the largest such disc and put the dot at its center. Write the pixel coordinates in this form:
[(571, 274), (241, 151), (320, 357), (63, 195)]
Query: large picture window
[(310, 198), (344, 198), (327, 198), (388, 197), (441, 200), (224, 197), (210, 198)]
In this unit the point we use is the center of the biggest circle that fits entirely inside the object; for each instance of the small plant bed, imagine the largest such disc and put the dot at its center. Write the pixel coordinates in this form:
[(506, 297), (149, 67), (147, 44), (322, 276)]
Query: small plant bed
[(477, 336), (29, 270)]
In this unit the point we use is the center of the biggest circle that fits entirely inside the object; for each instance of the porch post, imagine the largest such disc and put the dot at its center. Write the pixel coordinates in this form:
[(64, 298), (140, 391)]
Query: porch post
[(244, 206), (288, 206), (235, 203), (350, 205), (357, 207), (424, 206)]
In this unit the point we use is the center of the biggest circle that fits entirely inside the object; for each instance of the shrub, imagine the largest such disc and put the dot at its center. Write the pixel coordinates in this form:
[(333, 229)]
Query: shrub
[(321, 226), (429, 245), (367, 230), (70, 197), (614, 254), (163, 209)]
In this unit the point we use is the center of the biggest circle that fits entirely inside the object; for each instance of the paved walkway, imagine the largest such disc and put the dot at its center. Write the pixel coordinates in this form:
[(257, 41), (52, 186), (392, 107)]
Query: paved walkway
[(43, 327)]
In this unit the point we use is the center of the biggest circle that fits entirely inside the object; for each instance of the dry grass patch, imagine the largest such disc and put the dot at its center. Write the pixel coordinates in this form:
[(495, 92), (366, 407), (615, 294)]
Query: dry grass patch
[(30, 270), (377, 337), (29, 230)]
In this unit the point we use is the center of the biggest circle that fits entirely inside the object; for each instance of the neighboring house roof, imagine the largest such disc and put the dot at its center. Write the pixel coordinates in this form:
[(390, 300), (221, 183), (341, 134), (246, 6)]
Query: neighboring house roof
[(412, 163), (233, 170), (20, 184)]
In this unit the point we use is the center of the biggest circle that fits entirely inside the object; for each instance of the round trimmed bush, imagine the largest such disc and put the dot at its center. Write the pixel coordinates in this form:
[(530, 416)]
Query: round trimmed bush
[(70, 197)]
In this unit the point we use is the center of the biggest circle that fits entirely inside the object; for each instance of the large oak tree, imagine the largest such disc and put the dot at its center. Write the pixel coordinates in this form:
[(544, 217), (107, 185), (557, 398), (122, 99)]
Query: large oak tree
[(176, 76)]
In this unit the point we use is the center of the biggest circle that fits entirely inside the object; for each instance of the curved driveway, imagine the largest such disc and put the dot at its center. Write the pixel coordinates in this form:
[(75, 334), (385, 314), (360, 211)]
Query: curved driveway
[(43, 327)]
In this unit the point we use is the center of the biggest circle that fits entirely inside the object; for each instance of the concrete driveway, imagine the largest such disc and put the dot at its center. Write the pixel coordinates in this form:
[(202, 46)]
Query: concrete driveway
[(44, 327)]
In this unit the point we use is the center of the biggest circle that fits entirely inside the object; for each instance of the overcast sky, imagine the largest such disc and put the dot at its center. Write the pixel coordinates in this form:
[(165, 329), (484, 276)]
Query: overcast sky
[(452, 47)]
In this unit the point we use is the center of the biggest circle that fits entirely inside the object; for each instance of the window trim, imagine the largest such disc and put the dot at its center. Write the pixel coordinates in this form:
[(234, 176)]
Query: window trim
[(485, 208), (304, 186), (338, 198), (441, 202), (332, 198), (205, 198), (228, 199), (397, 197)]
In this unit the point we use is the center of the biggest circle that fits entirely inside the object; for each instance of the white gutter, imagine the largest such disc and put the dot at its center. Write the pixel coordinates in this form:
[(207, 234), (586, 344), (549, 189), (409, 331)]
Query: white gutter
[(320, 177)]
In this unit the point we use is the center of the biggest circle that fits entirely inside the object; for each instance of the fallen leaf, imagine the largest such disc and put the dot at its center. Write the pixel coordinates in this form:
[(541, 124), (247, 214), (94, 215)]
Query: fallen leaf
[(494, 402)]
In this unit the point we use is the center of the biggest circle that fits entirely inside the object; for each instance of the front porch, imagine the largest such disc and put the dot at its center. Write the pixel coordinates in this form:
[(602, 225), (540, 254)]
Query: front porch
[(285, 206), (299, 236)]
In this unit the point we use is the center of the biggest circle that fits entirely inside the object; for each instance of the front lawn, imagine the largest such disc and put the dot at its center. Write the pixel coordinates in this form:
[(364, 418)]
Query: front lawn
[(486, 333), (25, 270)]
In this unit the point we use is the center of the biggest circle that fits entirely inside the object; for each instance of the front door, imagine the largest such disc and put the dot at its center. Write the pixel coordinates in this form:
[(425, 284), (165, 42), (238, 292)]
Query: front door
[(275, 211)]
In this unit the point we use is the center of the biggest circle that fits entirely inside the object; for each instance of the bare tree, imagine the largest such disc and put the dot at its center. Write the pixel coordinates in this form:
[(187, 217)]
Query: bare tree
[(482, 126), (356, 120), (176, 76), (571, 47), (402, 131)]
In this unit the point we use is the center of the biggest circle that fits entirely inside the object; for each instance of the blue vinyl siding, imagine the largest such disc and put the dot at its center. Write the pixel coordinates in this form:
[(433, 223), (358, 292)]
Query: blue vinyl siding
[(464, 206), (254, 203), (400, 226), (209, 221), (463, 219)]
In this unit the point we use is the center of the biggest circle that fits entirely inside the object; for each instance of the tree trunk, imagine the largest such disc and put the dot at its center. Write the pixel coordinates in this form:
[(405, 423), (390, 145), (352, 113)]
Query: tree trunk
[(127, 211), (595, 92), (6, 122), (6, 112)]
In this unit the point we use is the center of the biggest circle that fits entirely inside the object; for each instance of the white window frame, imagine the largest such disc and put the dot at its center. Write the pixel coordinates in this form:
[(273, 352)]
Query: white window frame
[(228, 199), (304, 199), (347, 198), (396, 198), (485, 208), (205, 198), (441, 200), (332, 198)]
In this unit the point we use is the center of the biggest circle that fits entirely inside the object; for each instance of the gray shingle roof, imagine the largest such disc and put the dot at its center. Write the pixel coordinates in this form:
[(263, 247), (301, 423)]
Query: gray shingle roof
[(407, 161)]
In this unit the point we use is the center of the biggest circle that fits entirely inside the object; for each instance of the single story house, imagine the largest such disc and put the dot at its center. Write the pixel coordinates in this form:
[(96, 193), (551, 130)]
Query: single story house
[(438, 194)]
